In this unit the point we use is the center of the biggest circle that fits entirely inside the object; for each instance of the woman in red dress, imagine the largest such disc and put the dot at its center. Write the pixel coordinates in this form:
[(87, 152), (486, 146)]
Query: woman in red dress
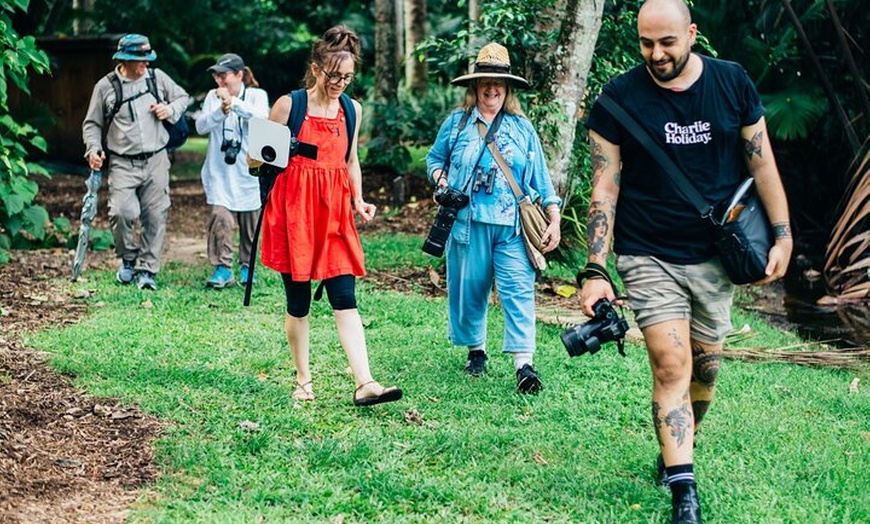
[(308, 225)]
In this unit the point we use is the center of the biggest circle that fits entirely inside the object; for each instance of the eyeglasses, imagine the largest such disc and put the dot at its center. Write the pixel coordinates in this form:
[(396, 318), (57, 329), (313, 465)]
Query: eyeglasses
[(337, 78)]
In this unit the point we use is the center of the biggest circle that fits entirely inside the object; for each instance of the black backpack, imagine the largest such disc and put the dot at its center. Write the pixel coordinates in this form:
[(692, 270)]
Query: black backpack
[(268, 175), (178, 131)]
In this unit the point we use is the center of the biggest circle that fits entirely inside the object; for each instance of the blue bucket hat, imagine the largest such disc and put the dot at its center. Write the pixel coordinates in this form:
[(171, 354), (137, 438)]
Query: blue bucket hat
[(134, 47)]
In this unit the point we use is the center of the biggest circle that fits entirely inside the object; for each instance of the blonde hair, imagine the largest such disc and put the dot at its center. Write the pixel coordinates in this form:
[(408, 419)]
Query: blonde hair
[(335, 46), (511, 102)]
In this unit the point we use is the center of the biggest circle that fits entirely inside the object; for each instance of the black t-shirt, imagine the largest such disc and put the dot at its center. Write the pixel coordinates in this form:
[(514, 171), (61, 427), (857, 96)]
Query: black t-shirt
[(700, 129)]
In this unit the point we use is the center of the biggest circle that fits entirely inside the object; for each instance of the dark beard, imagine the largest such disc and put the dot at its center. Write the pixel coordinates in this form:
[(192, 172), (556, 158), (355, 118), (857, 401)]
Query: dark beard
[(678, 68)]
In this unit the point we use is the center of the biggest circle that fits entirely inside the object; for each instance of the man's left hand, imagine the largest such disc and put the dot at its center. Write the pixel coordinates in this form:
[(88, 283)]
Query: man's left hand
[(161, 111)]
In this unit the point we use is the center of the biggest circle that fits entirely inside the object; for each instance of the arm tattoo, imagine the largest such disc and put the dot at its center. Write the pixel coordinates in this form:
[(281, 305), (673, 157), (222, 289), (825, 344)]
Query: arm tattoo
[(599, 160), (598, 227), (753, 146), (781, 230)]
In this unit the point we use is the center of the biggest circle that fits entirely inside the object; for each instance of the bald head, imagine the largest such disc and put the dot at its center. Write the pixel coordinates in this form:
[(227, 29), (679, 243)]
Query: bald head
[(674, 10)]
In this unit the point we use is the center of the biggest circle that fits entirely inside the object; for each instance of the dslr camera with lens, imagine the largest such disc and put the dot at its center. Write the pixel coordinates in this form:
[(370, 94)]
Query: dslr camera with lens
[(451, 201), (230, 149), (607, 325)]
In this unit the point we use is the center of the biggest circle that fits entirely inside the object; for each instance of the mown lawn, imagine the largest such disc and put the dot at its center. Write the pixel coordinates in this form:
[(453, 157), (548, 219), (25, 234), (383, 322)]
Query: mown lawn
[(782, 443)]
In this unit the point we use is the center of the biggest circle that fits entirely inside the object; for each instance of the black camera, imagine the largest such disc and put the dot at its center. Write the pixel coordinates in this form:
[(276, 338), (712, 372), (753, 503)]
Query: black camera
[(451, 201), (605, 326), (230, 149)]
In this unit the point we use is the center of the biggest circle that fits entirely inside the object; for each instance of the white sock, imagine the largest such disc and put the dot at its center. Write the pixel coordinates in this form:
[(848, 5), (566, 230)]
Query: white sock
[(479, 347), (521, 359)]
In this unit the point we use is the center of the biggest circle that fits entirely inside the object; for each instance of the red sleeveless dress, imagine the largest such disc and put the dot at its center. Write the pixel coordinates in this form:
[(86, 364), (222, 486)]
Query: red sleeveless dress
[(308, 224)]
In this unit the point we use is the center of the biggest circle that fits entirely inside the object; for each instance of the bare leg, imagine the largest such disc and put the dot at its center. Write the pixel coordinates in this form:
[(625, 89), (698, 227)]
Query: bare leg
[(705, 369), (297, 337), (670, 357), (353, 340)]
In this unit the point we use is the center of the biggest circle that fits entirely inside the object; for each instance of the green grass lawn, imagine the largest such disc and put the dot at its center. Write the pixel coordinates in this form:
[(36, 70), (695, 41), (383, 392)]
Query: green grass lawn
[(782, 444)]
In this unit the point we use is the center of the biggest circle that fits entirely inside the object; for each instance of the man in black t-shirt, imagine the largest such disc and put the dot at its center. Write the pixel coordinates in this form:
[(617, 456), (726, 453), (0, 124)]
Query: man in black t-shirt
[(708, 117)]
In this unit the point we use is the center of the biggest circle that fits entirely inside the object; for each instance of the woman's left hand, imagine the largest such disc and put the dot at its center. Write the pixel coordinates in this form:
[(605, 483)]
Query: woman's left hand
[(551, 237), (365, 210)]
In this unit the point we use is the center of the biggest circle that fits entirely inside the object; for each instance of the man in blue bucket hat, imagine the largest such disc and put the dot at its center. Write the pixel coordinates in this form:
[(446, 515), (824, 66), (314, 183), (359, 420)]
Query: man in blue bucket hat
[(125, 118)]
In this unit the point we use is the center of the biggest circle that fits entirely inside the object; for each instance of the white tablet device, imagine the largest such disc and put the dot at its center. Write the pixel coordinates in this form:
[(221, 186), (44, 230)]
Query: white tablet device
[(269, 142)]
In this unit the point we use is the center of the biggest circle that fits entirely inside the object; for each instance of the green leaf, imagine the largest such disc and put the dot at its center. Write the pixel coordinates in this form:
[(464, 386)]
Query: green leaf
[(793, 113)]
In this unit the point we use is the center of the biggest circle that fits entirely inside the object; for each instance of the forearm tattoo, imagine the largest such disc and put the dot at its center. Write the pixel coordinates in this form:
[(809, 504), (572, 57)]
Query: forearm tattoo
[(678, 421), (598, 228), (781, 230), (599, 160), (753, 146)]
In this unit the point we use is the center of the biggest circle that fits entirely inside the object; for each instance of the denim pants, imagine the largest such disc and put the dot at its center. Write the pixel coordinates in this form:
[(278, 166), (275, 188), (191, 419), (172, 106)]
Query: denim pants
[(492, 252)]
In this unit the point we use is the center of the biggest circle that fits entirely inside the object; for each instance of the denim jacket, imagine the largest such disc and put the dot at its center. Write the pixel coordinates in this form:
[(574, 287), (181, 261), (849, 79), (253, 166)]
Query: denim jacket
[(518, 143)]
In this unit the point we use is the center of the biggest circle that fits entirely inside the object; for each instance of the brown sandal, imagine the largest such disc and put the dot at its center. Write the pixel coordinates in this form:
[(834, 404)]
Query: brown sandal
[(389, 394), (303, 392)]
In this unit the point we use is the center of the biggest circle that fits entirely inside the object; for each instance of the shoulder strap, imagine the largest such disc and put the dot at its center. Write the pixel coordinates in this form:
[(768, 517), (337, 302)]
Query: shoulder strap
[(119, 96), (299, 99), (349, 120), (688, 191), (489, 139), (151, 82)]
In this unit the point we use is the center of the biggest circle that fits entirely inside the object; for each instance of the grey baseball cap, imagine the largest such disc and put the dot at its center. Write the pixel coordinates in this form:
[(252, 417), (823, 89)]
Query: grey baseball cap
[(228, 62)]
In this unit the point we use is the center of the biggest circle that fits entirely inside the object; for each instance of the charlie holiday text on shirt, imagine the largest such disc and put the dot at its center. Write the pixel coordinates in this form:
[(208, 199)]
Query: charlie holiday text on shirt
[(697, 133)]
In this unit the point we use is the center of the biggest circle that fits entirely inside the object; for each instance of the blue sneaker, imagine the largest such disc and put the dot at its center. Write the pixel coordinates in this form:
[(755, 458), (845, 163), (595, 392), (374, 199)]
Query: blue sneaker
[(243, 275), (146, 280), (125, 271), (221, 278)]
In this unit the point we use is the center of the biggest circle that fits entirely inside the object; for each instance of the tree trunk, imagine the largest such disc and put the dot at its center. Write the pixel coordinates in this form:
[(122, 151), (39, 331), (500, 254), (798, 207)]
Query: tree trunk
[(416, 71), (399, 31), (568, 71), (385, 50)]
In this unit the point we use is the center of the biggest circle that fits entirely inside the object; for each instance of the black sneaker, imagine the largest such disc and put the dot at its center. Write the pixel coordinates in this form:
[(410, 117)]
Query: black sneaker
[(528, 381), (476, 363), (686, 509), (661, 474)]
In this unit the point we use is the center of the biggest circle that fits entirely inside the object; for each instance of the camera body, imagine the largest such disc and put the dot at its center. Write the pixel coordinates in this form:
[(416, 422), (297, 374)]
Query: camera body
[(451, 201), (230, 149), (607, 325)]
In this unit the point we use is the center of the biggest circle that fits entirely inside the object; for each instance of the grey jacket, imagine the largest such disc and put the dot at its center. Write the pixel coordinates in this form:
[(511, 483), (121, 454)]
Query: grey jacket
[(134, 129)]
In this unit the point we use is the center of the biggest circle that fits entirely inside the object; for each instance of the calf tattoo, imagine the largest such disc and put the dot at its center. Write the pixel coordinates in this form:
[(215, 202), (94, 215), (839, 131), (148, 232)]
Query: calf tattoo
[(678, 421)]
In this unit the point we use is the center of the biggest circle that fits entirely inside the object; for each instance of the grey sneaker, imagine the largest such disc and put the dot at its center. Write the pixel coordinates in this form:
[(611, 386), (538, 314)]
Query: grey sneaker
[(125, 272), (146, 280)]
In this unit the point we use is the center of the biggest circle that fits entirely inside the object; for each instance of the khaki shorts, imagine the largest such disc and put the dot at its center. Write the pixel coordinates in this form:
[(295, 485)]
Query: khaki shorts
[(659, 291)]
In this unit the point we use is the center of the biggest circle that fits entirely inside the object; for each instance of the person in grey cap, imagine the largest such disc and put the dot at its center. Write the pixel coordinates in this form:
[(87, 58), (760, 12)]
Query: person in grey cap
[(125, 119), (232, 193)]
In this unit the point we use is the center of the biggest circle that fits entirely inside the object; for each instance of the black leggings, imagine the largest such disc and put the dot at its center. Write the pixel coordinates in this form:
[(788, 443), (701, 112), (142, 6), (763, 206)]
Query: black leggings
[(340, 290)]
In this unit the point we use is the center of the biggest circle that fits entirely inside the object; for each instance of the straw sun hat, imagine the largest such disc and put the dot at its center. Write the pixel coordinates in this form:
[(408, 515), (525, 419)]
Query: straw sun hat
[(492, 61)]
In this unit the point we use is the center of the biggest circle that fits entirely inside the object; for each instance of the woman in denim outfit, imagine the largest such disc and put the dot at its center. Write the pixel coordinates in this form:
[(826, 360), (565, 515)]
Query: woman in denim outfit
[(486, 244)]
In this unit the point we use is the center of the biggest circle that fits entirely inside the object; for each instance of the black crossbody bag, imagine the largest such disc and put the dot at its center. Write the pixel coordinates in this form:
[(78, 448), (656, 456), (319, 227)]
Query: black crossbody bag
[(742, 232)]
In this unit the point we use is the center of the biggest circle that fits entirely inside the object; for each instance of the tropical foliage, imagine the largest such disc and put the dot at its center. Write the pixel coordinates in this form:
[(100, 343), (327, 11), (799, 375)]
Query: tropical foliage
[(22, 224)]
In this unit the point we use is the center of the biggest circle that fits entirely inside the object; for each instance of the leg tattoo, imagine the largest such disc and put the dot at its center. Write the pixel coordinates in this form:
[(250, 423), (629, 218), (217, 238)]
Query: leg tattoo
[(678, 421), (657, 422), (705, 367)]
